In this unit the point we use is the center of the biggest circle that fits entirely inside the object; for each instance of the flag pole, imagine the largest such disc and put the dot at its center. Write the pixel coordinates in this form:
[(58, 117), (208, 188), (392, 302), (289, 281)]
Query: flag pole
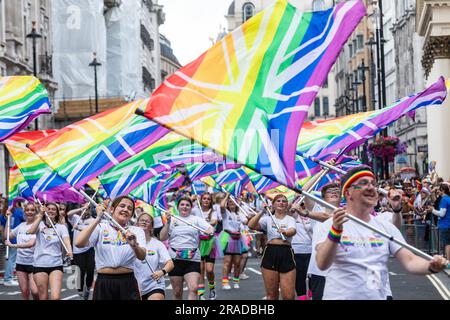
[(271, 216), (331, 167), (111, 219), (195, 191), (8, 227), (322, 174), (368, 226), (83, 212), (184, 221)]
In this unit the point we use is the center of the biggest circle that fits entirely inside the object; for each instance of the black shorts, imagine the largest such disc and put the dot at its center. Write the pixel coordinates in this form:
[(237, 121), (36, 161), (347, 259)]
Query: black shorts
[(116, 287), (183, 267), (278, 258), (47, 270), (147, 295), (208, 259), (24, 268), (444, 234)]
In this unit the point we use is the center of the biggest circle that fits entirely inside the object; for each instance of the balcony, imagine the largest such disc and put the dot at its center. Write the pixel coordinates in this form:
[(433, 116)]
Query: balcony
[(73, 110)]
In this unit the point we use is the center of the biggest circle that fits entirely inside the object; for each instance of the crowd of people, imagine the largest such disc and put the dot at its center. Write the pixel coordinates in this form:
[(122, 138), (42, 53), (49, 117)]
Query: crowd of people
[(308, 249)]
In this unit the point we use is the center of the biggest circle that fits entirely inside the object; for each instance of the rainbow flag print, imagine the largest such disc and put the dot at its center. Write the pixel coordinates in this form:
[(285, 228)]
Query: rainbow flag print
[(22, 99), (248, 95)]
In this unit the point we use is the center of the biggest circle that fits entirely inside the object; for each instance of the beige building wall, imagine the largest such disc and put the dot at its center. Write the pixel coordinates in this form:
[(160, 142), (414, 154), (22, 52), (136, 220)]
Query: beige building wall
[(433, 23)]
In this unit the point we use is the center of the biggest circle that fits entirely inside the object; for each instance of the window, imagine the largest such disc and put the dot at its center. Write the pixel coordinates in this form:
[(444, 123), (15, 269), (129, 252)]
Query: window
[(317, 107), (360, 39), (248, 11), (318, 5), (326, 107), (350, 50), (325, 85)]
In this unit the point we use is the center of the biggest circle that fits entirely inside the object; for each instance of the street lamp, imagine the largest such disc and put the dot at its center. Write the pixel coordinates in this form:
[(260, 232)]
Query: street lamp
[(372, 43), (34, 35), (363, 69), (95, 64), (355, 84)]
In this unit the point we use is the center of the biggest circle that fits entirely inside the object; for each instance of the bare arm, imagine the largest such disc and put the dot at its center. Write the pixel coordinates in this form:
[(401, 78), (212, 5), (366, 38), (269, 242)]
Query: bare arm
[(253, 223), (82, 240), (223, 204), (164, 233), (34, 227), (419, 266)]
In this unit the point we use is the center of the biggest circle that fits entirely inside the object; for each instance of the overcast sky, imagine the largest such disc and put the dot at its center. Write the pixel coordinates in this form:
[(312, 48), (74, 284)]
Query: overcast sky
[(191, 23)]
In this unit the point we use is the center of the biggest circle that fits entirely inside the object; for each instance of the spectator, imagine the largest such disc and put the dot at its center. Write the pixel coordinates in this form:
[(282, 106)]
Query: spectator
[(444, 218), (16, 219)]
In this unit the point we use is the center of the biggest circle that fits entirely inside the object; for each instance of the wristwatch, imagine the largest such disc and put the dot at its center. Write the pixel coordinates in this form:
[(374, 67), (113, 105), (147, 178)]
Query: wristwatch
[(164, 271)]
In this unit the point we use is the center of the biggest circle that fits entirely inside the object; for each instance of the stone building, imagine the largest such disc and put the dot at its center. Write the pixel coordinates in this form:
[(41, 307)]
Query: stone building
[(169, 62), (433, 23)]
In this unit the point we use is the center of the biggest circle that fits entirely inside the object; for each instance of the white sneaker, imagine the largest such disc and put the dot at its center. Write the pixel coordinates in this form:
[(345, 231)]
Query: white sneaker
[(236, 286), (243, 276), (11, 283), (212, 294), (226, 287), (202, 297)]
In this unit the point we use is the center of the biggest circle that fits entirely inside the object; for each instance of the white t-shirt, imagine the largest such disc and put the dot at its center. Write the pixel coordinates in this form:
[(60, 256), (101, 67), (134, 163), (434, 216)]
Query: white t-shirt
[(267, 225), (157, 255), (359, 271), (302, 240), (24, 256), (216, 208), (49, 251), (205, 214), (111, 247), (183, 236), (312, 267), (157, 222), (79, 227), (231, 221)]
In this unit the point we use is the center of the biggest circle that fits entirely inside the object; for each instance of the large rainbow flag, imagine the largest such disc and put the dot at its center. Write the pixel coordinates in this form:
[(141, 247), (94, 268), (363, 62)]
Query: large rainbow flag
[(45, 183), (196, 171), (324, 139), (248, 95), (84, 150), (22, 99)]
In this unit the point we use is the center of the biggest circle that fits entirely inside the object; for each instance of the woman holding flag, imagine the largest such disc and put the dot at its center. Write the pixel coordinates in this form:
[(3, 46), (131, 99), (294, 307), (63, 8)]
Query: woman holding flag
[(115, 252), (151, 281), (184, 247), (231, 241), (207, 246), (278, 264), (25, 252), (48, 252)]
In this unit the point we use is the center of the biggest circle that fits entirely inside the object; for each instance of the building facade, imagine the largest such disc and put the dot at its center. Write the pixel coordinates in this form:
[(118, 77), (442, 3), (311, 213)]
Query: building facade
[(16, 54), (125, 37), (169, 62), (410, 79), (242, 10), (433, 23)]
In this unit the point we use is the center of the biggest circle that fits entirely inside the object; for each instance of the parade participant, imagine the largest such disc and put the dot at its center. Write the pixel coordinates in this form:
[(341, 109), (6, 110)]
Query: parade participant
[(151, 281), (16, 219), (278, 264), (331, 194), (355, 255), (184, 248), (48, 252), (25, 251), (444, 217), (115, 252), (207, 246), (83, 258), (246, 243), (231, 242)]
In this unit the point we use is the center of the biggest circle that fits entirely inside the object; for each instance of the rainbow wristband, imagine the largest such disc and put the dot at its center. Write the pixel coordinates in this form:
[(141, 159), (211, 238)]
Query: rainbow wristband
[(335, 235)]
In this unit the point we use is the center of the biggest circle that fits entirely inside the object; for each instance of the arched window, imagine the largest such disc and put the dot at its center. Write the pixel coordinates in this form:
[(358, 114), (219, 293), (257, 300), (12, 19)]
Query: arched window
[(248, 11), (318, 5)]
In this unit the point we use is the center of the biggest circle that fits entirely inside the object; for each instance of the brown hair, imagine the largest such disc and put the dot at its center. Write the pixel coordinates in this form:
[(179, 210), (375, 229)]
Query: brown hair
[(184, 198), (117, 200), (58, 216), (152, 221), (329, 186)]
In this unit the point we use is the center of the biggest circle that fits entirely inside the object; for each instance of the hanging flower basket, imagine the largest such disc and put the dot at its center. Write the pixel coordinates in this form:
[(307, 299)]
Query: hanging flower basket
[(387, 147)]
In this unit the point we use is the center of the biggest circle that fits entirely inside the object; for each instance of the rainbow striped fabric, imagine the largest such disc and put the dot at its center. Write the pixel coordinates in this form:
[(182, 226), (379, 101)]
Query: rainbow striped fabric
[(168, 152), (324, 138), (248, 95), (233, 180), (149, 190), (18, 188), (22, 99), (197, 171), (84, 150), (260, 183), (43, 181)]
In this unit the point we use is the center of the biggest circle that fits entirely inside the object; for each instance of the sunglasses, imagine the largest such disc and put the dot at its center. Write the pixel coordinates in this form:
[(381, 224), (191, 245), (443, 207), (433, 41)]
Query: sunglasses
[(396, 198)]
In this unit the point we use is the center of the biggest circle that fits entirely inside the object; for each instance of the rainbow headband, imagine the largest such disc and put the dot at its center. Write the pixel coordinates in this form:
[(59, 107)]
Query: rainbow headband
[(356, 176)]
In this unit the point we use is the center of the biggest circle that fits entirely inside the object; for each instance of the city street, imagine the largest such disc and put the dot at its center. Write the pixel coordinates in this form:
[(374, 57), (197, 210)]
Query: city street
[(404, 286)]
